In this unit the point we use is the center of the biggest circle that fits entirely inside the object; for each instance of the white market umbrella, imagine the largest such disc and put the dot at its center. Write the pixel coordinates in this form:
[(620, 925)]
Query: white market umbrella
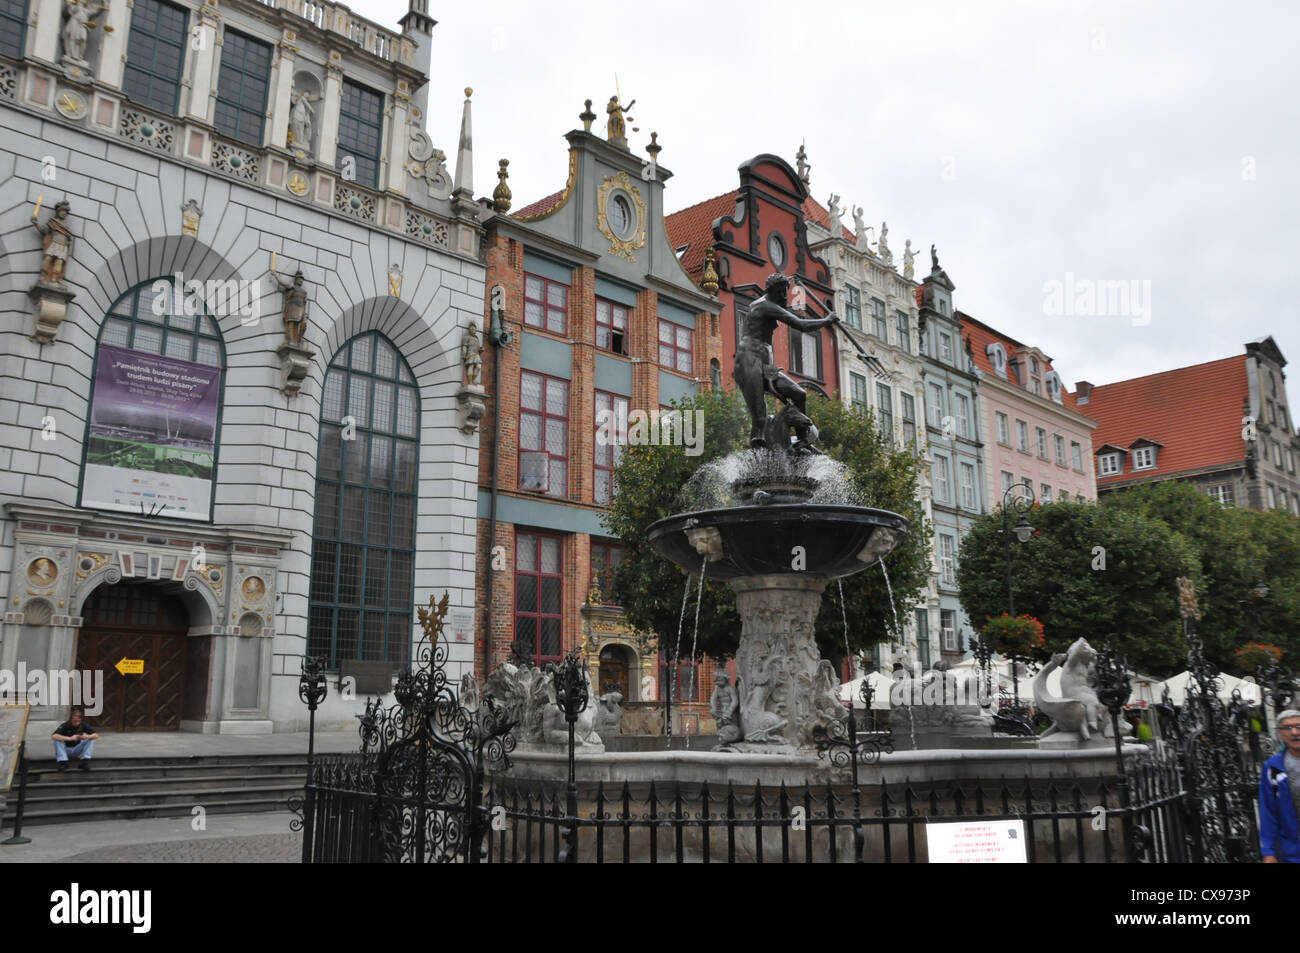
[(1227, 683)]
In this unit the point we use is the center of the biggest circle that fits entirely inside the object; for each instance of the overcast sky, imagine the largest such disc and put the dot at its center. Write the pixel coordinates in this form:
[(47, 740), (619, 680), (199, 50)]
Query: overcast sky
[(1155, 143)]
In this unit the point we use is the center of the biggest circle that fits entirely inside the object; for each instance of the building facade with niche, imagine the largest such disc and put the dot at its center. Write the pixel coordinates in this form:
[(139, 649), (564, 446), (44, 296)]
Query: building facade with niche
[(234, 423), (601, 319)]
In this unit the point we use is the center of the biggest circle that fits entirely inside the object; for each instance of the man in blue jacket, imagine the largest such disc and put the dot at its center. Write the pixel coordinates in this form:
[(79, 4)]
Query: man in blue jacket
[(1279, 796)]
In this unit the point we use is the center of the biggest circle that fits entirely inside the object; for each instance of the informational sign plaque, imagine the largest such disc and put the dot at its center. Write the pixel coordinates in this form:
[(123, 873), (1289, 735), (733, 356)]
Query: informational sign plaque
[(977, 842), (13, 726)]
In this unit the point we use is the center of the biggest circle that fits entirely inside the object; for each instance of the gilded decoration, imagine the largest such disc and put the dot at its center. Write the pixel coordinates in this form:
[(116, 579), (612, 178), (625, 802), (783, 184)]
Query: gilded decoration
[(88, 563), (564, 196), (624, 247), (42, 572)]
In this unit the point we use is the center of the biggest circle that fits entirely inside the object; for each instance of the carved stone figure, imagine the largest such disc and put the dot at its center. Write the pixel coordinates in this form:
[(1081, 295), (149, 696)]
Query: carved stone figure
[(826, 694), (77, 30), (759, 723), (882, 248), (833, 207), (295, 306), (555, 728), (724, 706), (1077, 710), (859, 228), (520, 691), (757, 375), (301, 117), (909, 257), (57, 243), (471, 351), (801, 157), (617, 128), (934, 257), (609, 714)]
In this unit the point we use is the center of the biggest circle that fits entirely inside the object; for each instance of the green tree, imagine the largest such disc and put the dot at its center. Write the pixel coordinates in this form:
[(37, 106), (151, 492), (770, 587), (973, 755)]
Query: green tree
[(1058, 577), (1237, 549), (650, 478)]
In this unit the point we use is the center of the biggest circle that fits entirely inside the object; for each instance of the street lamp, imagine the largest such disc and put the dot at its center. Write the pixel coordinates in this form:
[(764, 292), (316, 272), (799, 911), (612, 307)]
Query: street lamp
[(1018, 503)]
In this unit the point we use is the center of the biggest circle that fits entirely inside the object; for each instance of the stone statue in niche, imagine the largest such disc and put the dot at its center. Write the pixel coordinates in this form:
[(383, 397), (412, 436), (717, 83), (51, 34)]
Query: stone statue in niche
[(724, 706), (909, 257), (301, 117), (471, 349), (295, 305), (76, 31), (57, 242)]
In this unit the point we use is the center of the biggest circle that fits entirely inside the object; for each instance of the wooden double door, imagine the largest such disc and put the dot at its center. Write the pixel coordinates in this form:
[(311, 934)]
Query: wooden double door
[(134, 621)]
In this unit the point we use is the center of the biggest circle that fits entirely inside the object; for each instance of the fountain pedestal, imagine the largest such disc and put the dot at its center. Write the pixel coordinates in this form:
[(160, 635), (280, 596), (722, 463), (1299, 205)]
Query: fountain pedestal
[(777, 660)]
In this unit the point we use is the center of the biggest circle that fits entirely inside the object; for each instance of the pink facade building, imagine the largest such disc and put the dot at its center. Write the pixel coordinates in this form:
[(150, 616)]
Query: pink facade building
[(1033, 429)]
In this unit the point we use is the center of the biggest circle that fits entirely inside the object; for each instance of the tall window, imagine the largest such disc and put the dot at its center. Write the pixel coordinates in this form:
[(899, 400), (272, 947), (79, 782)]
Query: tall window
[(961, 406), (968, 486), (1004, 434), (241, 87), (611, 435), (945, 348), (539, 593), (155, 52), (1007, 479), (878, 320), (13, 27), (611, 326), (852, 306), (165, 453), (605, 558), (1041, 435), (363, 544), (885, 401), (543, 433), (1076, 456), (1045, 495), (546, 303), (361, 125), (675, 350), (904, 331), (806, 353), (858, 389), (942, 493), (909, 419), (948, 626), (936, 405), (947, 559), (923, 637)]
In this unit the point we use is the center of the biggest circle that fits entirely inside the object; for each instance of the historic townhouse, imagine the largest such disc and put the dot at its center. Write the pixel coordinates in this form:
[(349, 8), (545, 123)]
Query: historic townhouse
[(880, 305), (1225, 425), (234, 423), (952, 420), (1035, 432), (594, 331), (730, 244)]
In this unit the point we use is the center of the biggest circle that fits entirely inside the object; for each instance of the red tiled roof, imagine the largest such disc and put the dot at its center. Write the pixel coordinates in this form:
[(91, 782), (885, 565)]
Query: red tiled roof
[(981, 336), (693, 226), (1195, 412), (540, 207), (813, 211)]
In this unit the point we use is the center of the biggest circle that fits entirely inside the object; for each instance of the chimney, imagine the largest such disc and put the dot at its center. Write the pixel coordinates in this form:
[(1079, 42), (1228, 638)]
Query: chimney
[(1082, 391), (417, 26)]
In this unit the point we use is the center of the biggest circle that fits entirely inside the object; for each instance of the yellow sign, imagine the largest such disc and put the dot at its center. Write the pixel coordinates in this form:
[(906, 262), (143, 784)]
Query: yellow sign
[(130, 666)]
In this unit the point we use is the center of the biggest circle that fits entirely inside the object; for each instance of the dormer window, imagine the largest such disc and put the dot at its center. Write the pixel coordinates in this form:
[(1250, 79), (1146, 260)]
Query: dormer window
[(1033, 365), (1111, 464), (997, 358), (1053, 382), (1144, 458), (945, 348)]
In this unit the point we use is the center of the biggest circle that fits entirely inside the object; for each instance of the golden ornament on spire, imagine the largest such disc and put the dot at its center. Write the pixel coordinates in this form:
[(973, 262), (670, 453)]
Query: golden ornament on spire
[(501, 194), (710, 281)]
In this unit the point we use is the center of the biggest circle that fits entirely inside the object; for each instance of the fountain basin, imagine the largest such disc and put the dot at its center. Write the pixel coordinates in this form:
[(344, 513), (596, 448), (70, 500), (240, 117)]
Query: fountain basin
[(759, 540)]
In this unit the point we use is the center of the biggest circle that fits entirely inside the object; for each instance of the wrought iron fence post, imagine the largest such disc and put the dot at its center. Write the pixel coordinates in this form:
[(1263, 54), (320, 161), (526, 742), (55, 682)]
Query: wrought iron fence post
[(1113, 691), (312, 689), (571, 697), (18, 837)]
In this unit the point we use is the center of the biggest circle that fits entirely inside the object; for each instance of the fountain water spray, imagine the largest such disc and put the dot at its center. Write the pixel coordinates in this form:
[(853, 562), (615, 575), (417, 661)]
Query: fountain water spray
[(695, 637)]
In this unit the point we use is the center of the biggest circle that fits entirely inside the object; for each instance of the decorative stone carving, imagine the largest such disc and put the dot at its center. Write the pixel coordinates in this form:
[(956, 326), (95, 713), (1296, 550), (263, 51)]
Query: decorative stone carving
[(354, 202), (609, 715), (1076, 713), (501, 194), (143, 129), (430, 164), (527, 695), (833, 207), (295, 362), (50, 295), (710, 282), (909, 258), (471, 399), (427, 229), (301, 120), (76, 31), (801, 157), (471, 352), (238, 162), (882, 247), (860, 230), (616, 128), (295, 304), (395, 280), (191, 213), (724, 706)]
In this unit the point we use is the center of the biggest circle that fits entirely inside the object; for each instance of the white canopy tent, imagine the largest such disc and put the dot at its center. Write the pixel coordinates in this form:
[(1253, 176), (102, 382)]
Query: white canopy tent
[(1178, 688)]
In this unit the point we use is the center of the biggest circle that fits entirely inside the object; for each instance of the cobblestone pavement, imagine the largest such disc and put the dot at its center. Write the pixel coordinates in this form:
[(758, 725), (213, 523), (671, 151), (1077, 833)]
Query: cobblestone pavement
[(254, 849)]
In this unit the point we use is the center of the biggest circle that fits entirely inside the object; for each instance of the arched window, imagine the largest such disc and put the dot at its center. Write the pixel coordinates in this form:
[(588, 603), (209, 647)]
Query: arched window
[(154, 423), (363, 544)]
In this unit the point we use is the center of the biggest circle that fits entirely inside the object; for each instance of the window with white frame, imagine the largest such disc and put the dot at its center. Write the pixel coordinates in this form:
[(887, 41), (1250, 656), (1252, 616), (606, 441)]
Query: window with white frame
[(852, 306), (948, 627), (611, 435), (885, 410), (543, 433), (936, 405), (611, 326), (546, 303), (945, 348), (675, 347), (961, 407), (909, 419), (1060, 450), (1022, 436), (947, 559), (1041, 436), (1110, 464), (858, 390), (878, 326), (1045, 495), (1076, 456), (1004, 429), (904, 331), (942, 494), (968, 486), (1144, 458), (1007, 479)]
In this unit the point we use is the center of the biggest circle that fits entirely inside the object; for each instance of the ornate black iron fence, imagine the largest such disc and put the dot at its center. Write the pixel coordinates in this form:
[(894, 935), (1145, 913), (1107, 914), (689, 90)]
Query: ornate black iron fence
[(1064, 821)]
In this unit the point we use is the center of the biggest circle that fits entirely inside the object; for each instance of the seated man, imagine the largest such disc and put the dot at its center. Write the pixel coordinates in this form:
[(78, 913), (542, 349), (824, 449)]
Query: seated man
[(75, 738)]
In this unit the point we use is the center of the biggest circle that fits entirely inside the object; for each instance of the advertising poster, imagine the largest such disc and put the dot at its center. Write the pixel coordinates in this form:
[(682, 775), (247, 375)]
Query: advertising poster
[(152, 438)]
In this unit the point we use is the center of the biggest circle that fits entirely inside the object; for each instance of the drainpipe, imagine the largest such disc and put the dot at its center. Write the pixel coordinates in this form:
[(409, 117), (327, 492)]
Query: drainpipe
[(499, 337)]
